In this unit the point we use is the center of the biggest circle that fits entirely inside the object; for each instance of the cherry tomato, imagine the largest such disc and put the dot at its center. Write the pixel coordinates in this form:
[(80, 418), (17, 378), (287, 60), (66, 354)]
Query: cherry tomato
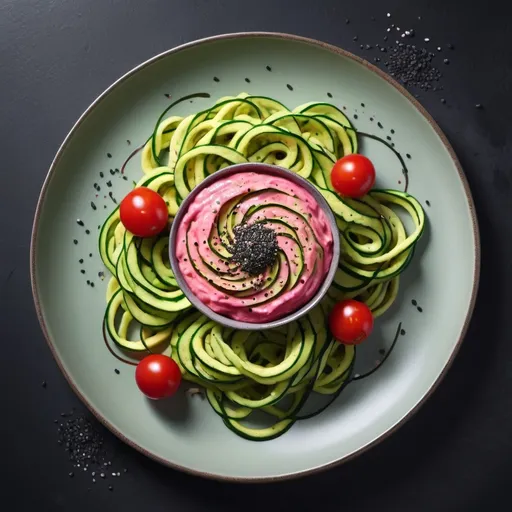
[(158, 376), (351, 321), (143, 212), (353, 175)]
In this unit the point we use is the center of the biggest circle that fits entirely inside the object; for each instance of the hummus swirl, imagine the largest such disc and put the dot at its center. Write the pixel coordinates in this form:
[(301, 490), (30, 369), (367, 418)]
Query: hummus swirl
[(206, 236)]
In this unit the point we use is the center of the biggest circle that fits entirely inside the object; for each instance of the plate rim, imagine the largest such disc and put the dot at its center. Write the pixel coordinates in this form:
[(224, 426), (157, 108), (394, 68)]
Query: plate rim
[(333, 49)]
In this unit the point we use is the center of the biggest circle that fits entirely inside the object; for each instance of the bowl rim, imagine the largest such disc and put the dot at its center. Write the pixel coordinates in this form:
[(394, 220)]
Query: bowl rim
[(234, 36), (272, 170)]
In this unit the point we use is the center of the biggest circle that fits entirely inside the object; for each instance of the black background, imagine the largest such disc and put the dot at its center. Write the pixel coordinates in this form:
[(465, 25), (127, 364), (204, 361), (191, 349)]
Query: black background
[(57, 56)]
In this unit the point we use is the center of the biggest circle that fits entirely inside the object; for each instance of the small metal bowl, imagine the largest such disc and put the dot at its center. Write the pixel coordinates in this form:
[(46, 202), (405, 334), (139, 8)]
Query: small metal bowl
[(261, 169)]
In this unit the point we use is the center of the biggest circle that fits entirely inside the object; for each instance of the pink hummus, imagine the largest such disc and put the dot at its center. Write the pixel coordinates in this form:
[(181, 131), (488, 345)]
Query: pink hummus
[(304, 238)]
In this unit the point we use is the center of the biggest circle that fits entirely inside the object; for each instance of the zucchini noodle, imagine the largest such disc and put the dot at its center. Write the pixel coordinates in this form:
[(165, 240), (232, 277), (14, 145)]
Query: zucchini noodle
[(275, 371)]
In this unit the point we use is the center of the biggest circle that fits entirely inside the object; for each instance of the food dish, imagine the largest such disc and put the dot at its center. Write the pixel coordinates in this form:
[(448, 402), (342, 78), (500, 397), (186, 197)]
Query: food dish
[(242, 371), (271, 171), (270, 236), (368, 410)]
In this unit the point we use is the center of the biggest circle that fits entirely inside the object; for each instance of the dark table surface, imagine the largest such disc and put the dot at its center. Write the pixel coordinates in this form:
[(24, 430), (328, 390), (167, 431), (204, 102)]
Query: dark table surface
[(56, 56)]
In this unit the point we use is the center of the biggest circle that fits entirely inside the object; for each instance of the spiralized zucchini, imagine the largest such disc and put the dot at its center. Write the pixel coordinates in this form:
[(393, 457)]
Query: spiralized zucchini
[(272, 371)]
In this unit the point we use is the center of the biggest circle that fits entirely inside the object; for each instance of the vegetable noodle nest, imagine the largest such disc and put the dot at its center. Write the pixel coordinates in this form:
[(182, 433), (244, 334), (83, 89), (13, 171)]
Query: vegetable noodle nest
[(246, 372)]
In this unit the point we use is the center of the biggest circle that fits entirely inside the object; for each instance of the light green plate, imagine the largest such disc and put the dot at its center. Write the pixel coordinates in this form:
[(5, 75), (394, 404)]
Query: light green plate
[(184, 432)]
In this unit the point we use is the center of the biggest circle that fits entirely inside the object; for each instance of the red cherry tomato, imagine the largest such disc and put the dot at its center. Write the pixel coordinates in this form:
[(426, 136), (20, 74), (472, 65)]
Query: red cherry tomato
[(351, 321), (353, 175), (143, 212), (158, 376)]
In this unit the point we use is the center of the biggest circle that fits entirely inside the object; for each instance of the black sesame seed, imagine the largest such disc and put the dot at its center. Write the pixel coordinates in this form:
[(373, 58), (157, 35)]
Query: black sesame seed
[(402, 332), (82, 271), (93, 206), (43, 384), (109, 155), (427, 202), (255, 248), (354, 38), (443, 100), (329, 95), (87, 232), (478, 105), (71, 475), (414, 302), (420, 310), (248, 80), (289, 87), (446, 61), (75, 241), (79, 222), (412, 66), (379, 124)]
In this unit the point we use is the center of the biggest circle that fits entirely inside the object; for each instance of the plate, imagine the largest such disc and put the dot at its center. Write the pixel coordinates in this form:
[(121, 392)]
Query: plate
[(437, 292)]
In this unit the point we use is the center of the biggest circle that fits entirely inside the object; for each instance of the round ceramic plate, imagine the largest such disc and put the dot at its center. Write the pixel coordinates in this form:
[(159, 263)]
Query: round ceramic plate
[(437, 291)]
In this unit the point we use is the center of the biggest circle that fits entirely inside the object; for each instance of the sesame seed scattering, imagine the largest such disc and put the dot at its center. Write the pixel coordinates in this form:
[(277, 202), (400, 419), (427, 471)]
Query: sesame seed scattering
[(409, 59), (413, 66), (81, 440), (255, 248), (84, 444)]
